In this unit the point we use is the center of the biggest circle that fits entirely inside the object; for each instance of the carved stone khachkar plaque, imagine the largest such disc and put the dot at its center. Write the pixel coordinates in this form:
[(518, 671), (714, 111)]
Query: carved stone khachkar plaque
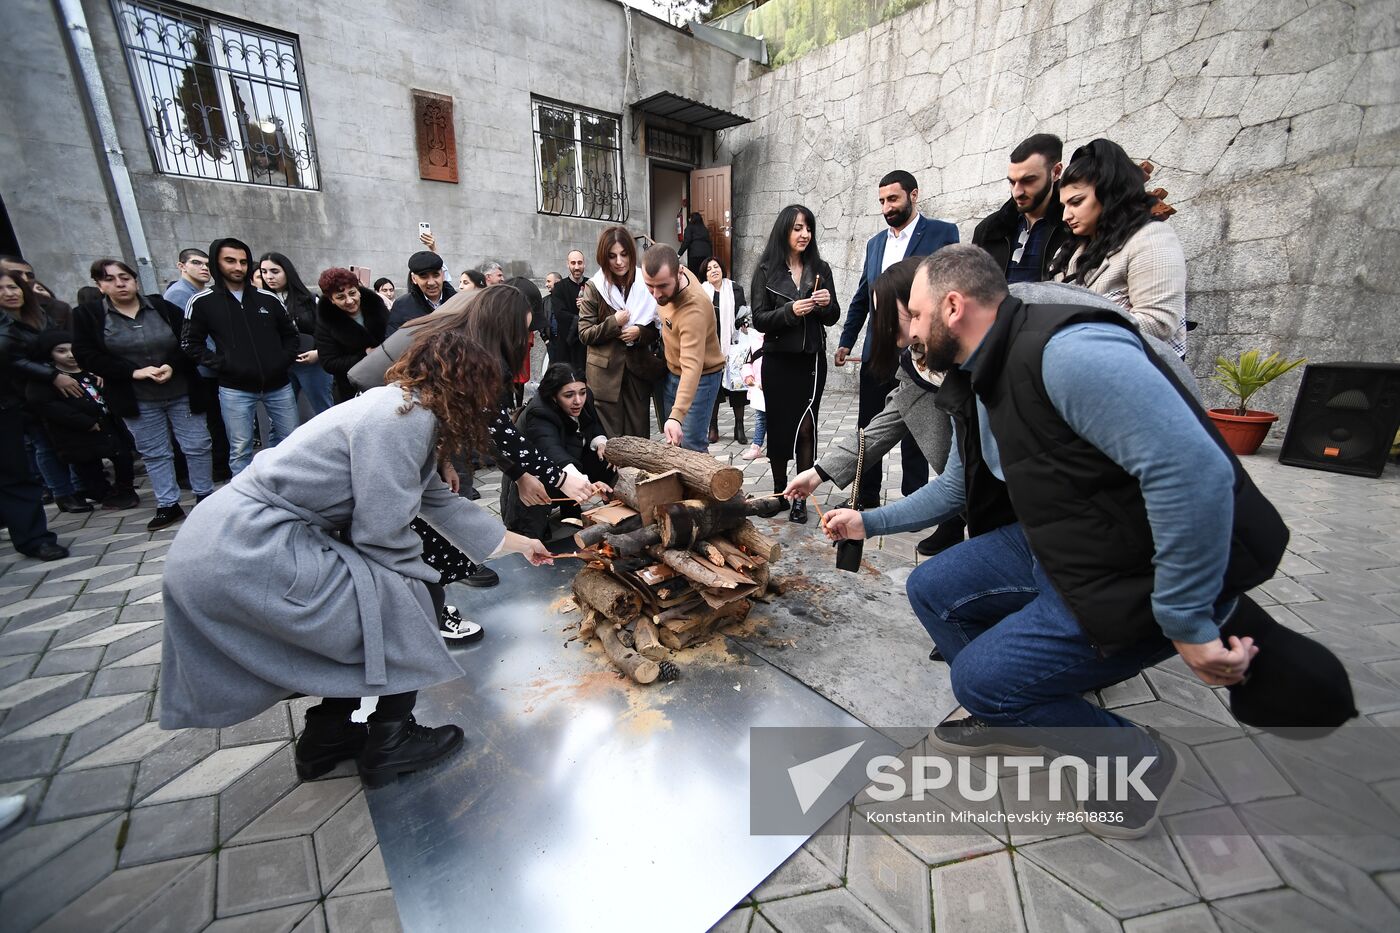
[(437, 143)]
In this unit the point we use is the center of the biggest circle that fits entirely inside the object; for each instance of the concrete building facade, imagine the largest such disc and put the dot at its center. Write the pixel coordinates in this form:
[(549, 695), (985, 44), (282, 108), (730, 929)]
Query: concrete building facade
[(359, 63)]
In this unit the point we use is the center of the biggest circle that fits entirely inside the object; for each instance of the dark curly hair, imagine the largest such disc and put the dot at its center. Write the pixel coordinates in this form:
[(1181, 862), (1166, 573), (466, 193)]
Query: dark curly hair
[(891, 289), (1125, 206), (452, 376), (336, 278)]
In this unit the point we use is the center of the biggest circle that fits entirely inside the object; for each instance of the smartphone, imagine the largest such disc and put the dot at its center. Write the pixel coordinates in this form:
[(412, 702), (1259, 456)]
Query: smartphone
[(425, 229)]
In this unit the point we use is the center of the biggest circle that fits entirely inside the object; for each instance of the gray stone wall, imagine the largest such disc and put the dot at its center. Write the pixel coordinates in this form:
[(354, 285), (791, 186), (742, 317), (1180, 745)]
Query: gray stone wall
[(1275, 128), (361, 60)]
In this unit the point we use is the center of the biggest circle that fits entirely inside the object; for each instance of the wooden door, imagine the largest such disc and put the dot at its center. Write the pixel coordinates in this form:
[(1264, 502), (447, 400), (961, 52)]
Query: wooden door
[(709, 194)]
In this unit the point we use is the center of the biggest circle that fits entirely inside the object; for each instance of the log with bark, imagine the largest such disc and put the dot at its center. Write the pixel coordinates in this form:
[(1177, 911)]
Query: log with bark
[(711, 553), (702, 572), (756, 542), (699, 472), (634, 542), (705, 625), (593, 534), (646, 640), (602, 591), (690, 520), (641, 491), (642, 670), (733, 556)]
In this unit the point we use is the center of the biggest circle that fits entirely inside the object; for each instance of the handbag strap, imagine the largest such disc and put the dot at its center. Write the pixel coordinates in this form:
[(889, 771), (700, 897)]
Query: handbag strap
[(860, 468)]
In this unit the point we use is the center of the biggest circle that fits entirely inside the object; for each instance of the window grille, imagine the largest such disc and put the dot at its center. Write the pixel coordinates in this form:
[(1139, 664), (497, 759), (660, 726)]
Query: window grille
[(578, 162), (219, 99)]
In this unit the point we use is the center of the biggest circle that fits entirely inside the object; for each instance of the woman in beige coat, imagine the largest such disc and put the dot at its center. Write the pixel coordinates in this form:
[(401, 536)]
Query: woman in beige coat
[(1119, 250), (617, 323)]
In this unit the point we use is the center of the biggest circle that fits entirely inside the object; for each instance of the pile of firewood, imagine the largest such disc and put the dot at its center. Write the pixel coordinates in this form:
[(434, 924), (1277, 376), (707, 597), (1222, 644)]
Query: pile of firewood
[(672, 560)]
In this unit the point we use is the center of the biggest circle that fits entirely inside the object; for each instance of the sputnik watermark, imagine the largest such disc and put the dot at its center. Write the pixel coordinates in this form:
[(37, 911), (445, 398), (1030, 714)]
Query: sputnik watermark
[(1119, 781)]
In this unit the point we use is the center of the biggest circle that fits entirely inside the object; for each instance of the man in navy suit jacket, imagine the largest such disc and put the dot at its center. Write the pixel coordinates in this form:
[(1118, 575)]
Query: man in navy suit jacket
[(909, 233)]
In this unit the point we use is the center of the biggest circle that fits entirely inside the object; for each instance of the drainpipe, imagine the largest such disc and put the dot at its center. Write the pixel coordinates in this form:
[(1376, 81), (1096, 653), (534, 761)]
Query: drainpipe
[(80, 37)]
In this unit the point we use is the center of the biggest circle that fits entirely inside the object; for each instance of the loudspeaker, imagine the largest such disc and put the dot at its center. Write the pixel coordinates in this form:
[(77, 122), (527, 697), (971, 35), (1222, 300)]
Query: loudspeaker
[(1345, 418)]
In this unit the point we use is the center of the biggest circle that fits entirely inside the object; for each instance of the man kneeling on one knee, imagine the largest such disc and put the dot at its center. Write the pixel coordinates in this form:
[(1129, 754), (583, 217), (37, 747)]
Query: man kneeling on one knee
[(1110, 526)]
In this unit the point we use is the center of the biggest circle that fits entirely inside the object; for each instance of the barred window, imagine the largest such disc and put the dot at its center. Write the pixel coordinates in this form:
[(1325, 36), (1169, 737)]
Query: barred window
[(219, 99), (578, 162)]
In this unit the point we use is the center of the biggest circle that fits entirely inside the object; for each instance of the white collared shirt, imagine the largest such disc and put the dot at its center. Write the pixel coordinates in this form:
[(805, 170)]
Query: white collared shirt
[(897, 243)]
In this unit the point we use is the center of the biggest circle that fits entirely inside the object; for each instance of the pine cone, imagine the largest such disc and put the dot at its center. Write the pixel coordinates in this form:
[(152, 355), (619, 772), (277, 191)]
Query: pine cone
[(669, 670)]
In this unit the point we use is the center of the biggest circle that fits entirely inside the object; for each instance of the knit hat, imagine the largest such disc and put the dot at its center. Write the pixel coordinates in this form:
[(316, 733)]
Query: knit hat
[(1294, 683), (424, 261)]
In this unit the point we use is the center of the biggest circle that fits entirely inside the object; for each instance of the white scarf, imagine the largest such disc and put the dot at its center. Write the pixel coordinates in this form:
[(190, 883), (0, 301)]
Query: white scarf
[(641, 307), (726, 311)]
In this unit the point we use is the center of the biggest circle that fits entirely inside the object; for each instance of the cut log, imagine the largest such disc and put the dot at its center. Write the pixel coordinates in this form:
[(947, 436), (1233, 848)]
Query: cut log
[(640, 669), (683, 523), (644, 492), (756, 542), (593, 534), (647, 641), (613, 513), (699, 472), (733, 556), (731, 614), (711, 553), (601, 591), (588, 625), (680, 611), (633, 543), (701, 572)]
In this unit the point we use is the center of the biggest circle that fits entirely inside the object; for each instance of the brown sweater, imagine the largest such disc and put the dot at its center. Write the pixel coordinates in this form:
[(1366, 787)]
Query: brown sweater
[(691, 342)]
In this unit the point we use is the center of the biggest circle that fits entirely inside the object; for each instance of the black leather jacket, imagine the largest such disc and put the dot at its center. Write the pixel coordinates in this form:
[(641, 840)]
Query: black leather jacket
[(772, 296), (19, 349)]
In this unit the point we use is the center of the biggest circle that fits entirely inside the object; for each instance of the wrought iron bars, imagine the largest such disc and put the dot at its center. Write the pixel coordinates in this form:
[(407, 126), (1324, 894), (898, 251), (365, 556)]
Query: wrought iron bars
[(219, 99), (578, 162)]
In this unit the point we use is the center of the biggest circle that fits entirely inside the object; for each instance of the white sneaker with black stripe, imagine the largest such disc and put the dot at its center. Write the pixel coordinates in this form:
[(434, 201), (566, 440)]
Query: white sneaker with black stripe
[(456, 629)]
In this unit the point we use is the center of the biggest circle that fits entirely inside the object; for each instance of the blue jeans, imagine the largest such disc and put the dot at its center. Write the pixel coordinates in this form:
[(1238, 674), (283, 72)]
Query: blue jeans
[(315, 383), (760, 426), (240, 414), (695, 431), (151, 429), (57, 476), (1016, 653)]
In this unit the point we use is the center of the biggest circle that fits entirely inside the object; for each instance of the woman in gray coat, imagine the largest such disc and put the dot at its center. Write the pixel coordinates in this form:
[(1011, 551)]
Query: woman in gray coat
[(303, 575)]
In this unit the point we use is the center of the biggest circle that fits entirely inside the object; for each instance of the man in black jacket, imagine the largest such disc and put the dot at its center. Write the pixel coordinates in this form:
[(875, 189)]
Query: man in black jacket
[(255, 343), (1025, 232), (427, 289), (564, 345)]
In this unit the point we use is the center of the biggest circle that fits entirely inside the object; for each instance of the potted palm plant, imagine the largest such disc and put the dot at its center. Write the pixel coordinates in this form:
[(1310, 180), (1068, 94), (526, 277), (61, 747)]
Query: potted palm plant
[(1243, 429)]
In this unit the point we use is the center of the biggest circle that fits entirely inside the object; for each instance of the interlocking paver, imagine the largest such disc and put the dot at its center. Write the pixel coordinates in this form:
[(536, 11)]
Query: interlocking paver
[(1124, 886), (1051, 906), (1194, 919), (1345, 889), (1223, 858), (57, 882), (977, 896), (800, 874), (116, 898), (36, 686), (266, 875), (171, 830), (80, 793), (1243, 771), (890, 880), (369, 875), (186, 906), (74, 717), (374, 911), (124, 680), (214, 773), (109, 635), (280, 920), (346, 838), (826, 910), (301, 811), (253, 793)]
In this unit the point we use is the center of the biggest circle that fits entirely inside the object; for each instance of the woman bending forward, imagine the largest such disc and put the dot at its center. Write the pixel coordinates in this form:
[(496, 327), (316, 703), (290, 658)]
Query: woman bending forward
[(303, 575)]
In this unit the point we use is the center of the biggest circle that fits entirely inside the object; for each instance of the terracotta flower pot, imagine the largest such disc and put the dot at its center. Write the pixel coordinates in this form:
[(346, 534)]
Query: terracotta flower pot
[(1244, 433)]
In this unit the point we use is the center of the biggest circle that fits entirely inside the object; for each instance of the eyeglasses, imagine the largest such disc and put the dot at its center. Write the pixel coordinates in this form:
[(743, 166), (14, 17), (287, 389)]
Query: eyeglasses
[(1021, 245)]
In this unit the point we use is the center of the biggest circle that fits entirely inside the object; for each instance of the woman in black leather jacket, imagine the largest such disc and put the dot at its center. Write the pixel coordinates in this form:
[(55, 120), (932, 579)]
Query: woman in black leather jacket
[(793, 304)]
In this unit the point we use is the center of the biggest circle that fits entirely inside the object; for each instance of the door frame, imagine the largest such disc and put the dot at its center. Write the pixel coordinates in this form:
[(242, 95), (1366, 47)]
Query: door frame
[(673, 166)]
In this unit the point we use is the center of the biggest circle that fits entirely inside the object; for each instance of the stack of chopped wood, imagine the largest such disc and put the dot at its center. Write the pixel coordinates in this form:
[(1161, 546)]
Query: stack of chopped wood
[(672, 560)]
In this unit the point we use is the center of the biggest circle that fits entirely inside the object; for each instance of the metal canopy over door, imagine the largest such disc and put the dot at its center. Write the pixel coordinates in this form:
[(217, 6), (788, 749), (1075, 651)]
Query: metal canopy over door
[(709, 194)]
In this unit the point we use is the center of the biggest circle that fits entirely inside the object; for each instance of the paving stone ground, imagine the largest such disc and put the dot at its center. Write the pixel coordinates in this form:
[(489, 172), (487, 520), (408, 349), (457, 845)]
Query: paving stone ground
[(137, 830)]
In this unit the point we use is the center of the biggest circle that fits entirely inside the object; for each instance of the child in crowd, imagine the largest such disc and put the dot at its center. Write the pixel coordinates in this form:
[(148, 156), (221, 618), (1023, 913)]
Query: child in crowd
[(81, 428), (753, 378)]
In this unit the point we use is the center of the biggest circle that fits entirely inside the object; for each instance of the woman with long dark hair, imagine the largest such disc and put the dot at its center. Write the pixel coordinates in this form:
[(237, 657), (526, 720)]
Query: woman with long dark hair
[(21, 505), (794, 301), (617, 323), (1119, 250), (303, 576), (909, 410), (309, 380), (561, 423)]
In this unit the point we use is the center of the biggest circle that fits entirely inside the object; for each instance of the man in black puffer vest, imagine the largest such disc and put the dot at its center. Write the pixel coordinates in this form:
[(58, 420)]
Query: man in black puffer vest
[(1111, 525)]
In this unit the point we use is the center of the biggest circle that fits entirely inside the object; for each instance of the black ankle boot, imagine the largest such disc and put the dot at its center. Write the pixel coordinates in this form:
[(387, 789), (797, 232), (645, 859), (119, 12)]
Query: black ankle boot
[(402, 746), (740, 436), (329, 739), (944, 536)]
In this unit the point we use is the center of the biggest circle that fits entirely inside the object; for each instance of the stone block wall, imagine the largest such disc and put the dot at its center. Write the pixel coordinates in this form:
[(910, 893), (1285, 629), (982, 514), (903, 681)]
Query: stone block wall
[(1275, 127)]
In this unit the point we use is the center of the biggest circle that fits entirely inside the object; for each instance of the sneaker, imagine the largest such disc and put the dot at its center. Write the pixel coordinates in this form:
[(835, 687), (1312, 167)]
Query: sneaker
[(1135, 818), (480, 576), (961, 733), (753, 453), (456, 629), (121, 499), (11, 808), (166, 515)]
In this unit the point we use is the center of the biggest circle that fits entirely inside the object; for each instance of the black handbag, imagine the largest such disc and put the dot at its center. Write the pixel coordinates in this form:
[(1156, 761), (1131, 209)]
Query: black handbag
[(848, 552)]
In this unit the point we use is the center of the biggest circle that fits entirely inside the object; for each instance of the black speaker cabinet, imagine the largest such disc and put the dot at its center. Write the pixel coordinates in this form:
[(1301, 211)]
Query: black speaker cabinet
[(1345, 418)]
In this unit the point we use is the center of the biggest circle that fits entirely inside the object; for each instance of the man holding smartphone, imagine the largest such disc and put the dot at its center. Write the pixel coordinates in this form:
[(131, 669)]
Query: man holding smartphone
[(427, 288)]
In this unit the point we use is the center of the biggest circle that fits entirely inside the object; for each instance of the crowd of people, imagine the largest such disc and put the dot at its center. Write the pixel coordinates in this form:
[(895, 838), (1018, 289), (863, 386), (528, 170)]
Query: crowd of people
[(411, 389)]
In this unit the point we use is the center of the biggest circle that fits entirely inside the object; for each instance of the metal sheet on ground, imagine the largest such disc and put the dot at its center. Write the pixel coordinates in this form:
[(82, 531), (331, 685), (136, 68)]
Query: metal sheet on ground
[(582, 802), (852, 637)]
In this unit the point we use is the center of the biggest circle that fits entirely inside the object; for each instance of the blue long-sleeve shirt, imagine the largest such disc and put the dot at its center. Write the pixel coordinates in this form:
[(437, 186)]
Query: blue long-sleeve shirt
[(1104, 386)]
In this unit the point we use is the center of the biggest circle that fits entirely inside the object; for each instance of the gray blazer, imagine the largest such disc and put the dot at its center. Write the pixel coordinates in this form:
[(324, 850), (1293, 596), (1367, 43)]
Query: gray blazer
[(303, 575)]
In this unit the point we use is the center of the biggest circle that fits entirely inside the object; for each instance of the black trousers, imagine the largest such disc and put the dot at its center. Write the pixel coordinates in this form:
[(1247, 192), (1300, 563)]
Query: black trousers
[(21, 505), (391, 707), (872, 401)]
